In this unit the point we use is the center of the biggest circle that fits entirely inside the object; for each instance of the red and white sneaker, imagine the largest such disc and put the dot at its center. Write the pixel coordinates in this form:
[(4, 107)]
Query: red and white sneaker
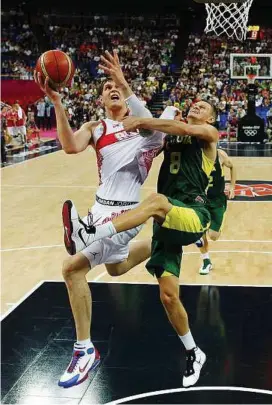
[(83, 361), (77, 234)]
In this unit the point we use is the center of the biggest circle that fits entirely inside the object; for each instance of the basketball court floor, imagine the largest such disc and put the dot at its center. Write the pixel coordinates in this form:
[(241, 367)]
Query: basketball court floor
[(230, 309)]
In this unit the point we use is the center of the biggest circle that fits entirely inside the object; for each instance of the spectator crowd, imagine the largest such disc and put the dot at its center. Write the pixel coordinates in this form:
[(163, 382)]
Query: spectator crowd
[(145, 50), (205, 74), (145, 57)]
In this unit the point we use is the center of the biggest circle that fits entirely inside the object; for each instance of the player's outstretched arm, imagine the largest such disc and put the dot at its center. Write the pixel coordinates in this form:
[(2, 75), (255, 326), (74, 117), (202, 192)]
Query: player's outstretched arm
[(70, 142), (111, 66), (226, 161), (206, 132)]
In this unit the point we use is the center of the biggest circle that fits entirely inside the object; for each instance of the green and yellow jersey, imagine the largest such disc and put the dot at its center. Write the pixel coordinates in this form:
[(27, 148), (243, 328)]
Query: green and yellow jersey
[(183, 179), (216, 187), (185, 171)]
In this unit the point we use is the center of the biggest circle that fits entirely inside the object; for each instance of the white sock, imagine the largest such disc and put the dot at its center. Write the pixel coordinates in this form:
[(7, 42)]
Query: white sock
[(104, 231), (188, 341), (85, 343), (205, 256)]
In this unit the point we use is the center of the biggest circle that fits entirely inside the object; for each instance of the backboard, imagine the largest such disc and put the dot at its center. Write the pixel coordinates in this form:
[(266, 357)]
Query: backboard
[(242, 64)]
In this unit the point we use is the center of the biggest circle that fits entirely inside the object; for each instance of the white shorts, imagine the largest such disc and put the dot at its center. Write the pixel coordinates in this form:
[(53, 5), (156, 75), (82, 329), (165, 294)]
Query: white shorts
[(114, 249), (14, 131)]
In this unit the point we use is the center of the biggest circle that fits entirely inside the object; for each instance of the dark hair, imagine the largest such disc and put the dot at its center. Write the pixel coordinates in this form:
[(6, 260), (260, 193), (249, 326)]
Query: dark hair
[(102, 84), (214, 109)]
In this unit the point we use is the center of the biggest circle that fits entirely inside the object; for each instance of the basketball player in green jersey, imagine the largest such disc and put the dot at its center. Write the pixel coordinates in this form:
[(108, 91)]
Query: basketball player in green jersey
[(216, 205), (178, 209)]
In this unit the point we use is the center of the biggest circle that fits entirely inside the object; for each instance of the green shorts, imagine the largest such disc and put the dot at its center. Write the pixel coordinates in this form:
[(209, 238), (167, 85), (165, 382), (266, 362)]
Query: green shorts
[(217, 209), (184, 224)]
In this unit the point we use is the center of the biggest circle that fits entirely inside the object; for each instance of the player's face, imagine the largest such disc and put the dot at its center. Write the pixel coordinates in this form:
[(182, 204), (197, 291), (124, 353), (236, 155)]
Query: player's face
[(112, 97), (201, 112)]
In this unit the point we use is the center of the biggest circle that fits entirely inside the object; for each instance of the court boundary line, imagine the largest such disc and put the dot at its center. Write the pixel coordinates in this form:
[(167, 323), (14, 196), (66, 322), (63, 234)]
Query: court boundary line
[(95, 187), (185, 253), (47, 154), (31, 248), (176, 390), (99, 276), (22, 299)]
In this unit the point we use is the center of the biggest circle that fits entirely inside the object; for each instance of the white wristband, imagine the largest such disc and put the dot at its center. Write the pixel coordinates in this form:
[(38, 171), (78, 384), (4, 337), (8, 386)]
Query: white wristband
[(169, 113), (137, 108)]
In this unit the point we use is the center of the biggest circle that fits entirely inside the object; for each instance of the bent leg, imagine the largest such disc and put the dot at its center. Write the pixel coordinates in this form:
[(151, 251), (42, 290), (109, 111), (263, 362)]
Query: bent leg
[(207, 264), (156, 206), (139, 251), (214, 235), (205, 248)]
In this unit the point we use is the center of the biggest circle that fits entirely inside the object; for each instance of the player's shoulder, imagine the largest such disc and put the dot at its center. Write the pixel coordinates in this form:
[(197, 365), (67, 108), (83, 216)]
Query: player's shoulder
[(212, 129), (222, 153), (223, 156), (90, 125)]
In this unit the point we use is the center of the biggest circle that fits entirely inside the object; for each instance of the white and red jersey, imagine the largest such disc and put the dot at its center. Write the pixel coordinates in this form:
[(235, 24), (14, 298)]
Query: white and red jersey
[(21, 118), (124, 160), (11, 118)]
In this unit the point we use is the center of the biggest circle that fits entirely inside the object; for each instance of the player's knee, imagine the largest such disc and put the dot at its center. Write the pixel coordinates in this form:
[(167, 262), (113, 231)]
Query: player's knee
[(67, 268), (113, 272), (169, 298), (117, 269), (70, 268), (157, 202), (214, 235)]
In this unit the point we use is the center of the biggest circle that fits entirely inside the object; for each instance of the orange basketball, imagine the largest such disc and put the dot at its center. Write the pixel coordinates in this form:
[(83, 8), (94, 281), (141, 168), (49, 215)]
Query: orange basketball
[(58, 66)]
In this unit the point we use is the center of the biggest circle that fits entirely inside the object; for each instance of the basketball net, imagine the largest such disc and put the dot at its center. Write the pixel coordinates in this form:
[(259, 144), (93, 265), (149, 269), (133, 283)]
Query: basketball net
[(230, 19)]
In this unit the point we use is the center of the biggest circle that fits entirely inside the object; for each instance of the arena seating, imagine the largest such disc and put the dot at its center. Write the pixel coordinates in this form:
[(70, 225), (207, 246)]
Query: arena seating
[(205, 74), (146, 57)]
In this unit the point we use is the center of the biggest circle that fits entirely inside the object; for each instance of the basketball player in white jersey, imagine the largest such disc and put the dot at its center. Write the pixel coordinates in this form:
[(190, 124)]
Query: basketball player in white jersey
[(124, 160)]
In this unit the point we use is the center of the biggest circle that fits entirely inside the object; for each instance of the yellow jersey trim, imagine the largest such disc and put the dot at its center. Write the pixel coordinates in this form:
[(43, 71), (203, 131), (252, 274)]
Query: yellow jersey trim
[(166, 274), (184, 220), (207, 164)]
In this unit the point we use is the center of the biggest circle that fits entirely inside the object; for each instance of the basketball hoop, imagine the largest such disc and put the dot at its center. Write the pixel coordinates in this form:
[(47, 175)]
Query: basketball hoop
[(228, 17)]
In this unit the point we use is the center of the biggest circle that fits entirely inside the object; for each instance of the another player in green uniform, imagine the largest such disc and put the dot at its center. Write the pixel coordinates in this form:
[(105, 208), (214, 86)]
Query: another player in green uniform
[(179, 211), (216, 205)]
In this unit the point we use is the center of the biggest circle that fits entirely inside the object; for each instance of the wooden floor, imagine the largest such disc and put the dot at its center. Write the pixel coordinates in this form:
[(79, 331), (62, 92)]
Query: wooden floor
[(32, 196)]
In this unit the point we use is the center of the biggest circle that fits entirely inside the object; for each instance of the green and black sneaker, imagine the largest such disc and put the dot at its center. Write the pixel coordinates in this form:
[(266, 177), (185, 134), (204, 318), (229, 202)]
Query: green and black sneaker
[(206, 267)]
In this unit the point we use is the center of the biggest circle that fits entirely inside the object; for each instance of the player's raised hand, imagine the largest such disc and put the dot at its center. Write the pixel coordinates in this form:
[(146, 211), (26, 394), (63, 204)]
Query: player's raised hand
[(111, 66), (45, 87)]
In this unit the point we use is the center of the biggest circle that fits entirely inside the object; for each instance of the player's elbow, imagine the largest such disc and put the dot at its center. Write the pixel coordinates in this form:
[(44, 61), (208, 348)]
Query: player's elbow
[(69, 150), (230, 165), (214, 236)]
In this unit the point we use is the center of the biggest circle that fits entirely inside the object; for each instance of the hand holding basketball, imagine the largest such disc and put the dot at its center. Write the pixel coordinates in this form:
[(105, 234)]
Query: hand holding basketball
[(54, 69), (45, 87)]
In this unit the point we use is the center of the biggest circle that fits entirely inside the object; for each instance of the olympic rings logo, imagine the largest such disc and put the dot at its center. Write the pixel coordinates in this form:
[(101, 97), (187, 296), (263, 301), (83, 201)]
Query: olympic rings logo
[(250, 132)]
